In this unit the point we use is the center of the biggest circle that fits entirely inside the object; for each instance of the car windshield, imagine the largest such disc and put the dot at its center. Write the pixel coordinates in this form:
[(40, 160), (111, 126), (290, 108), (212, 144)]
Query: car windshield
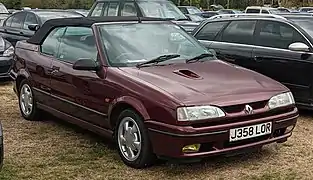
[(193, 10), (127, 45), (45, 16), (3, 9), (160, 9)]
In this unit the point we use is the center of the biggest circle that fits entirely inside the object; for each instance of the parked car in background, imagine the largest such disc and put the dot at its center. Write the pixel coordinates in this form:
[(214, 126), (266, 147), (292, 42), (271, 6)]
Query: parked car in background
[(277, 46), (6, 58), (215, 7), (166, 97), (165, 9), (190, 10), (229, 11), (195, 17), (261, 10), (12, 11), (305, 9), (4, 13), (84, 12), (25, 8), (208, 14), (16, 26), (287, 10)]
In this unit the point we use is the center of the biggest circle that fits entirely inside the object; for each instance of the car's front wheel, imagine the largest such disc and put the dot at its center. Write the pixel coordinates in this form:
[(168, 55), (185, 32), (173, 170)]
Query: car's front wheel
[(132, 139), (27, 102)]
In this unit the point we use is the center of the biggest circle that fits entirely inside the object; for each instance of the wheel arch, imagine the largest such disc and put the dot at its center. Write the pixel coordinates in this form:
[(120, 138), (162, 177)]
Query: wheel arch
[(123, 103)]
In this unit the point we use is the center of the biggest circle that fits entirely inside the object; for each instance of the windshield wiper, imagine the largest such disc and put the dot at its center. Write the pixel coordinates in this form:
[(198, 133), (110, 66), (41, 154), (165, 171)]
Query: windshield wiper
[(197, 58), (159, 59)]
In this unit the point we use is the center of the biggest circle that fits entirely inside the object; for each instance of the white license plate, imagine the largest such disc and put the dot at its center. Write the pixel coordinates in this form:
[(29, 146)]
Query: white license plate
[(250, 131)]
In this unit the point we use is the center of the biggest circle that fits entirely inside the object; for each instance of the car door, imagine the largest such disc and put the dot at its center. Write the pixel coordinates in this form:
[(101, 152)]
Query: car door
[(274, 59), (41, 70), (13, 33), (80, 94), (235, 42)]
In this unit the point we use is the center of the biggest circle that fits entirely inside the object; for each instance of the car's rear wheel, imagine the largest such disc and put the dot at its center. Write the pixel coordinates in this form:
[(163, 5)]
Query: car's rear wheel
[(132, 139), (27, 102)]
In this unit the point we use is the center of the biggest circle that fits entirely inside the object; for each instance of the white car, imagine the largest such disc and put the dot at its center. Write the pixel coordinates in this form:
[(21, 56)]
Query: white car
[(261, 10)]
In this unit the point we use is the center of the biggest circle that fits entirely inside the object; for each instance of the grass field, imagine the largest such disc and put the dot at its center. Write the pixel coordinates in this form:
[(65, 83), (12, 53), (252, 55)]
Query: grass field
[(51, 149)]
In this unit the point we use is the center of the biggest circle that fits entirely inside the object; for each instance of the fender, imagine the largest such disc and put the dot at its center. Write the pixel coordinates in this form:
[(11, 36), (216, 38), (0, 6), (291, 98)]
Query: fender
[(23, 73), (135, 103)]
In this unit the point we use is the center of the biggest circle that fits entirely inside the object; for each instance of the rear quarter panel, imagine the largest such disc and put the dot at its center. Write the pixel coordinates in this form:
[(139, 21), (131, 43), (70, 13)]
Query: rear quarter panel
[(32, 65)]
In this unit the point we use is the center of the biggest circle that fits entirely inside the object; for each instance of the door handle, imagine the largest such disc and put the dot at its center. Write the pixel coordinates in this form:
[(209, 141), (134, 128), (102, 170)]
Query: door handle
[(55, 68), (21, 33), (257, 58), (54, 71)]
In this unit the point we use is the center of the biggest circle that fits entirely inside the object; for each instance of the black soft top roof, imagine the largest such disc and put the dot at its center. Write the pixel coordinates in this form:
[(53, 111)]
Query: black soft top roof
[(49, 25)]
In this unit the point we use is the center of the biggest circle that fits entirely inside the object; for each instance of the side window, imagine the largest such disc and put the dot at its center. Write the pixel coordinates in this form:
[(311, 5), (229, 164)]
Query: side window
[(97, 10), (210, 30), (277, 35), (240, 32), (18, 20), (9, 21), (129, 9), (77, 42), (113, 9), (265, 12), (30, 19), (253, 11), (51, 43)]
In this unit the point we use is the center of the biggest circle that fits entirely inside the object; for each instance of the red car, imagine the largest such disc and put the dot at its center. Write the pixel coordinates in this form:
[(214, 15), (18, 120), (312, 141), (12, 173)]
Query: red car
[(150, 86)]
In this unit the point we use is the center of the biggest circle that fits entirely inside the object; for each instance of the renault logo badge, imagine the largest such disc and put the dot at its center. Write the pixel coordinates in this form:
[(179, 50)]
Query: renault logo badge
[(248, 109)]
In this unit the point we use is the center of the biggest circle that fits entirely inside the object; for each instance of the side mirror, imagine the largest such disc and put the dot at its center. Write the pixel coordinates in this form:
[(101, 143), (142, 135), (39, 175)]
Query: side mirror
[(298, 46), (86, 65), (33, 27)]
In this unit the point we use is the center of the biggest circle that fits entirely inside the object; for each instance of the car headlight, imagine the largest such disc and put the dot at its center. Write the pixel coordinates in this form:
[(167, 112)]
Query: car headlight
[(9, 52), (198, 113), (281, 100)]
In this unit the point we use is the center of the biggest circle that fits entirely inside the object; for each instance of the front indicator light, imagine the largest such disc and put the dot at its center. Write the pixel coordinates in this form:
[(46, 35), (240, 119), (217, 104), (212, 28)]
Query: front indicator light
[(289, 129), (191, 148)]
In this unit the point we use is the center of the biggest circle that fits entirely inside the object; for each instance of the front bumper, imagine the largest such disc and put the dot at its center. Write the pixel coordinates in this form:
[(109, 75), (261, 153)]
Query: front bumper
[(168, 140), (5, 66)]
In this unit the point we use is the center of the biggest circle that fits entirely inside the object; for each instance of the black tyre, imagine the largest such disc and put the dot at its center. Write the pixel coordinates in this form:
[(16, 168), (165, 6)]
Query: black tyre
[(132, 140), (27, 102)]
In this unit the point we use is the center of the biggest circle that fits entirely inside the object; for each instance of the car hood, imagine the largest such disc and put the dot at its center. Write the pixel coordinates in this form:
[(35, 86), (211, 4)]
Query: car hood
[(211, 82)]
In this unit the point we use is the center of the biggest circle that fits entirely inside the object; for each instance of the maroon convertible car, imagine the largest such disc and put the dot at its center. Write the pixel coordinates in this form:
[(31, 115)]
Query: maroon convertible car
[(150, 86)]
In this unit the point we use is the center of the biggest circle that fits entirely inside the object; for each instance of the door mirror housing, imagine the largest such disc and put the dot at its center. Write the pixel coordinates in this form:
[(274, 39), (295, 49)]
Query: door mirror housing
[(299, 46), (86, 65), (33, 27)]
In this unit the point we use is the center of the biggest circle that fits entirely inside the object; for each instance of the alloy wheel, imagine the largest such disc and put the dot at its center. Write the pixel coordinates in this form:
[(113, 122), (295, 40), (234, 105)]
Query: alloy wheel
[(26, 100), (129, 138)]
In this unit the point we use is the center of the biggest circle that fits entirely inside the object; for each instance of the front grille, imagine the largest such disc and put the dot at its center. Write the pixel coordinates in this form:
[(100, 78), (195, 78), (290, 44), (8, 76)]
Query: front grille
[(240, 107), (244, 118), (4, 69)]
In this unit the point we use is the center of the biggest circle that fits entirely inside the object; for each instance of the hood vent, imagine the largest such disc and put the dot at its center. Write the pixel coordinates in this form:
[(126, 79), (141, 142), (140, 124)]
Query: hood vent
[(187, 73)]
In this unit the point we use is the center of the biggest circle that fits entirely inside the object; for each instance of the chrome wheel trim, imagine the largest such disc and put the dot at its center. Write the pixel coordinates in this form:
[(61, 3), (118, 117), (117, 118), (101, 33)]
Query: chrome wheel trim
[(26, 100), (129, 139)]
